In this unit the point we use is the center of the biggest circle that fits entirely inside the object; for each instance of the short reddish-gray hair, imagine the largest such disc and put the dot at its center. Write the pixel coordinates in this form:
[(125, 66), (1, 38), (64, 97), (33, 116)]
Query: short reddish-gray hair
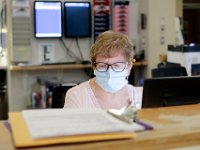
[(110, 43)]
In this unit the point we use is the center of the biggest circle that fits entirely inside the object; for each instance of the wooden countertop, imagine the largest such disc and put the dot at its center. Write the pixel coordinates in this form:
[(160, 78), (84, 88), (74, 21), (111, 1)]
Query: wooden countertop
[(175, 127)]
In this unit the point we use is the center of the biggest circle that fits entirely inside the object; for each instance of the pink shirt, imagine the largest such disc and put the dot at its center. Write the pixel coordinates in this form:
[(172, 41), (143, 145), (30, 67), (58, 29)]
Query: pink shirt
[(82, 96)]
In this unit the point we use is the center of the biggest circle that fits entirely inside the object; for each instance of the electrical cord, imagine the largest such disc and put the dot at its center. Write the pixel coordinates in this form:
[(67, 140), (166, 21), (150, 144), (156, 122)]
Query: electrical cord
[(69, 52), (79, 49)]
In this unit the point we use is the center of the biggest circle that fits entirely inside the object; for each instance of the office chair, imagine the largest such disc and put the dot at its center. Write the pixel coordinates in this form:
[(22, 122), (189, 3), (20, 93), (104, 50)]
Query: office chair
[(58, 96), (169, 72)]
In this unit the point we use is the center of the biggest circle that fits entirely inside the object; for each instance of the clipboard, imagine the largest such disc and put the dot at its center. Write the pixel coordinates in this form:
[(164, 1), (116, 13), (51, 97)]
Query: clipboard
[(22, 137)]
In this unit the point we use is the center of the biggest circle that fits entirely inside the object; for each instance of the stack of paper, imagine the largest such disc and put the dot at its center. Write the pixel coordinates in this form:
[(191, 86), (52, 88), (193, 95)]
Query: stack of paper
[(53, 126)]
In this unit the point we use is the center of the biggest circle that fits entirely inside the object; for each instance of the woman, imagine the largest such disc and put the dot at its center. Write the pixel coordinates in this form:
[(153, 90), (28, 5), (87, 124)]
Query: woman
[(111, 56)]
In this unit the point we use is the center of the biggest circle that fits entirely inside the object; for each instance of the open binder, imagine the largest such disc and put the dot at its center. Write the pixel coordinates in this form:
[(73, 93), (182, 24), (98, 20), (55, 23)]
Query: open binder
[(23, 136)]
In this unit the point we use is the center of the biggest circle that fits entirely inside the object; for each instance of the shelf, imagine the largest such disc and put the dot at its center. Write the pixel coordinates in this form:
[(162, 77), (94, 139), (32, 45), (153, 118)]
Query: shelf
[(61, 66), (49, 67), (140, 63)]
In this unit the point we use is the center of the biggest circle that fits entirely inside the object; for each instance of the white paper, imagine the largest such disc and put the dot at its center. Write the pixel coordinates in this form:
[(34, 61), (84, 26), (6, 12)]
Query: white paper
[(61, 122)]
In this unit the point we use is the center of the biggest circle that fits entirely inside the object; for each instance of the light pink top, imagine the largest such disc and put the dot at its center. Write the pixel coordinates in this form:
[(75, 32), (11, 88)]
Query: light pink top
[(82, 96)]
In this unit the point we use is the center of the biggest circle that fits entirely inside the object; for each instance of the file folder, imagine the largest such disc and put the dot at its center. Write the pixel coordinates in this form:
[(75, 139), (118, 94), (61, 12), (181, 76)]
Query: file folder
[(22, 137)]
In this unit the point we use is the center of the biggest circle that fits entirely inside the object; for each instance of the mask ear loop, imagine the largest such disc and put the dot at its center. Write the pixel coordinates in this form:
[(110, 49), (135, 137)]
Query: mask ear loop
[(127, 77), (128, 73)]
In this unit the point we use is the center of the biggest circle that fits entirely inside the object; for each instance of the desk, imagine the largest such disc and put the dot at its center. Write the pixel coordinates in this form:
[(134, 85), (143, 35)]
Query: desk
[(175, 127)]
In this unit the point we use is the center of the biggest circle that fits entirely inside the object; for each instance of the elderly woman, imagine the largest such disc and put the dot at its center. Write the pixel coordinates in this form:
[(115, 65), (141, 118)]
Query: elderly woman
[(111, 56)]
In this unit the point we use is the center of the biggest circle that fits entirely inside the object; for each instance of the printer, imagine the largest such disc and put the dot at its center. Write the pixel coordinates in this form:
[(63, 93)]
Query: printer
[(187, 56)]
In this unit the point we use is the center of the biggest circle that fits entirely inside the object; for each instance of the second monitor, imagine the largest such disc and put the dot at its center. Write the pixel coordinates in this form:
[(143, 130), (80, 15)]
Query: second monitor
[(77, 19)]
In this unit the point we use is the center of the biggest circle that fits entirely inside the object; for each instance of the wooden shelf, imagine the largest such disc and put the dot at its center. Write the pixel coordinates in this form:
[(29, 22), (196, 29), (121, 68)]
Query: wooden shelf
[(140, 63), (61, 66), (49, 67)]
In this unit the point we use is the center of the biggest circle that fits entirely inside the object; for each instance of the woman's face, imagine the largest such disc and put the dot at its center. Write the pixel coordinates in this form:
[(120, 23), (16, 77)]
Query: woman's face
[(114, 59)]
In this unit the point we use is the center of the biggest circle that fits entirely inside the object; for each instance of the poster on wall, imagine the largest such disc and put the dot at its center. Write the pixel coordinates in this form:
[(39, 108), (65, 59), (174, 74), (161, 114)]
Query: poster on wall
[(121, 16), (101, 10)]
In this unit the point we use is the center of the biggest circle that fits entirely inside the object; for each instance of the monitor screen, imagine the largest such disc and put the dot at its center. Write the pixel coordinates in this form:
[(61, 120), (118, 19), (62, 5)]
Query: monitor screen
[(48, 19), (170, 91), (77, 19)]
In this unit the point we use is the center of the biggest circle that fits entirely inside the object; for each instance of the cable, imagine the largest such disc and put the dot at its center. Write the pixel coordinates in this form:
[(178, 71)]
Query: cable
[(79, 49), (69, 52)]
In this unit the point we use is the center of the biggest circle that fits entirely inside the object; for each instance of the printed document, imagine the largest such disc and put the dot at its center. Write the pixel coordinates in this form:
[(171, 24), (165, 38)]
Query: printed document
[(45, 123)]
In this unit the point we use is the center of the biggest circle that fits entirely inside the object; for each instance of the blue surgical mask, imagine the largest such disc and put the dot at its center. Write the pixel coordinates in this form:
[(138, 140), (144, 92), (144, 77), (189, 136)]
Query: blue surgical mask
[(110, 80)]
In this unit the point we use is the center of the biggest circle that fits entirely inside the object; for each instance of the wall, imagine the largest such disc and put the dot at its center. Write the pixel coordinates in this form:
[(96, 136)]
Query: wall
[(160, 30), (179, 8), (34, 53), (21, 83)]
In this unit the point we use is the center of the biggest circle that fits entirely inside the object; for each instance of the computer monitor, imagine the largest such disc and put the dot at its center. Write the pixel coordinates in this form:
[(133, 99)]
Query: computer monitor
[(77, 19), (170, 91), (47, 19)]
